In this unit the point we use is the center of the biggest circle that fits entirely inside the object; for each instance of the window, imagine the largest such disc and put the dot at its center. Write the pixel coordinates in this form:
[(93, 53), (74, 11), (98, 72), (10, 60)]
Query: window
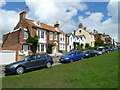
[(80, 31), (63, 39), (25, 34), (60, 39), (33, 57), (38, 33), (71, 39), (42, 34), (55, 36), (42, 48), (51, 36), (43, 55)]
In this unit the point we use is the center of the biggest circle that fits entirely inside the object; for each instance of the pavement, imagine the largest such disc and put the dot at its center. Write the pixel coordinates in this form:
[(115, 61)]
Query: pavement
[(56, 62)]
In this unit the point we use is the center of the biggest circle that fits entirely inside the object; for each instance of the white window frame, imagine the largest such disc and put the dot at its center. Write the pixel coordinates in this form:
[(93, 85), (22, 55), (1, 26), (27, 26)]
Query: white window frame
[(43, 34), (25, 36), (51, 35), (43, 47), (55, 35)]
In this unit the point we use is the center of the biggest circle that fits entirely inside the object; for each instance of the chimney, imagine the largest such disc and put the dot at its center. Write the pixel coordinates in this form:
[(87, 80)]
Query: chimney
[(95, 31), (22, 14), (74, 32), (80, 25), (56, 24), (84, 28)]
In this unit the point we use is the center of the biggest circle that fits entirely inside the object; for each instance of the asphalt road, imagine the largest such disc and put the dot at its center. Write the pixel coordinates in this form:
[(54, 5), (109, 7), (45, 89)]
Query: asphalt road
[(56, 62)]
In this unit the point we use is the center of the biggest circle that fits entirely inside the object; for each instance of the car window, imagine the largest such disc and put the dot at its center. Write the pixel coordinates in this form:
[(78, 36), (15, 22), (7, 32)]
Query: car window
[(33, 57), (43, 55), (38, 56)]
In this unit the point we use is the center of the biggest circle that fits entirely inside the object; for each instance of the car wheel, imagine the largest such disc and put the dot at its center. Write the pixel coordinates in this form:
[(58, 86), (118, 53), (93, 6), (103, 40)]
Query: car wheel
[(82, 58), (20, 70), (95, 54), (71, 60), (48, 65)]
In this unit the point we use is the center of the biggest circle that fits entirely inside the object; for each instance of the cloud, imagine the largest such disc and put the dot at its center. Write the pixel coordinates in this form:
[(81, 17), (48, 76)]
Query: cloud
[(2, 3), (8, 20), (49, 11), (109, 26)]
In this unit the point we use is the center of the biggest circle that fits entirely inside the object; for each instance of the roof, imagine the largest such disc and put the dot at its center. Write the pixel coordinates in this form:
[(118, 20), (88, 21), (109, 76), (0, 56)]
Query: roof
[(44, 26), (79, 35), (68, 34)]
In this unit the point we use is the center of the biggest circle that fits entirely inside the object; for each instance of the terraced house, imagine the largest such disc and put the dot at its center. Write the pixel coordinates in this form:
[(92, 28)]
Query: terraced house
[(84, 31), (16, 40), (47, 34)]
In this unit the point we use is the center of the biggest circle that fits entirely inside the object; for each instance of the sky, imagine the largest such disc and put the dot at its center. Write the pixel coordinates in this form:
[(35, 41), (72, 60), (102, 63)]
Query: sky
[(102, 16)]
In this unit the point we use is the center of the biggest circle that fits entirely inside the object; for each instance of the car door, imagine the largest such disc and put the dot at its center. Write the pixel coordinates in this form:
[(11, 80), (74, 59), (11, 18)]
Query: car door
[(41, 59), (77, 55), (31, 62)]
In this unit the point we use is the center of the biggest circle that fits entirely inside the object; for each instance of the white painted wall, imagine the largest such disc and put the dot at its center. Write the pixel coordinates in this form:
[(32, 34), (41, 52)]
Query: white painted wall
[(7, 56), (62, 42)]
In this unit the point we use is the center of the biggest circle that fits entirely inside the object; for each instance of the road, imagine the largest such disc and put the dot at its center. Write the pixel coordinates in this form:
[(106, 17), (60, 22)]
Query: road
[(56, 62)]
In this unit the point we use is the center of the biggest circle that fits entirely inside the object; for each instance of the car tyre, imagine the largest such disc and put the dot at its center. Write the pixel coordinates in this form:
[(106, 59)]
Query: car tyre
[(82, 58), (48, 65), (20, 70), (71, 60)]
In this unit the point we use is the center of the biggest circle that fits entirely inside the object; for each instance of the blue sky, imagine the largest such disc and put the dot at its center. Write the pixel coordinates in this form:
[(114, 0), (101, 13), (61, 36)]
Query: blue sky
[(102, 16), (92, 7)]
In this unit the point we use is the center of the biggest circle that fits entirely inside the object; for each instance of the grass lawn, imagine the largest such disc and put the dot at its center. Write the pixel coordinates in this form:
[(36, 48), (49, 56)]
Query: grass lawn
[(95, 72)]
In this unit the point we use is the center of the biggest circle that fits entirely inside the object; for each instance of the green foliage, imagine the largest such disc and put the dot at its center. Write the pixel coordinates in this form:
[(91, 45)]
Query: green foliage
[(99, 42), (80, 48), (87, 45), (75, 45), (49, 48), (33, 41)]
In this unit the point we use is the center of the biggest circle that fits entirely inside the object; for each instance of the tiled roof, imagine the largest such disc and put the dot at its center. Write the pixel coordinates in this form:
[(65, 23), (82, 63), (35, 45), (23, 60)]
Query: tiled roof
[(44, 26), (79, 35), (68, 34)]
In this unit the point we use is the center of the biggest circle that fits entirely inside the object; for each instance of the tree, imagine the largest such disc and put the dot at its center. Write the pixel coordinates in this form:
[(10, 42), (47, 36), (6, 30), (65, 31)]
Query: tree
[(75, 45), (33, 41), (99, 42), (87, 45), (49, 48), (81, 45)]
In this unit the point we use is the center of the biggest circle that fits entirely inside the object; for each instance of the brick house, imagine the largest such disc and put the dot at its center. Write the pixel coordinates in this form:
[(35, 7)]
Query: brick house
[(16, 40)]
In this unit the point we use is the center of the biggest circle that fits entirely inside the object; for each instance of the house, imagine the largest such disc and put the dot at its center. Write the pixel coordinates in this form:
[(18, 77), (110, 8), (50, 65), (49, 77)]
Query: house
[(16, 40), (106, 38), (83, 31), (71, 39)]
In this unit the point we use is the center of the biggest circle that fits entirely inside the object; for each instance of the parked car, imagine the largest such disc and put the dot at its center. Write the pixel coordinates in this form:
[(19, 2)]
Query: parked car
[(100, 51), (107, 49), (90, 53), (72, 56), (29, 62), (111, 48)]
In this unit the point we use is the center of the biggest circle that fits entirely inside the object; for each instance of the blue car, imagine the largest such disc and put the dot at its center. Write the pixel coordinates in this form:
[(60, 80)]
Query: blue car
[(72, 56)]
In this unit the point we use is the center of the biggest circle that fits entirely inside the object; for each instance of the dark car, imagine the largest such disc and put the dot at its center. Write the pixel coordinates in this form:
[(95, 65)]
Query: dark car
[(29, 62), (90, 53), (72, 56), (107, 49)]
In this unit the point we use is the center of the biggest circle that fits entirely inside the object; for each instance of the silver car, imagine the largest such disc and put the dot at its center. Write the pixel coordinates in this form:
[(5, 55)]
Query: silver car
[(100, 51)]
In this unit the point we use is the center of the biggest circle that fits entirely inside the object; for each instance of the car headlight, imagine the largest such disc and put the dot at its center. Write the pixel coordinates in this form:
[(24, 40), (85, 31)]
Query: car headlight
[(66, 58), (86, 54)]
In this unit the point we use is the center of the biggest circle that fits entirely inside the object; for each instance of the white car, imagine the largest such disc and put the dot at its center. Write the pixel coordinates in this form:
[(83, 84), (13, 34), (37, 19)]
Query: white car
[(100, 51)]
